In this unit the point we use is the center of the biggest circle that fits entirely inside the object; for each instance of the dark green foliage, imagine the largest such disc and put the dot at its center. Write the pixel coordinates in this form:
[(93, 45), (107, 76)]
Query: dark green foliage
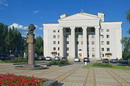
[(11, 41), (61, 62), (102, 65), (39, 46), (16, 60)]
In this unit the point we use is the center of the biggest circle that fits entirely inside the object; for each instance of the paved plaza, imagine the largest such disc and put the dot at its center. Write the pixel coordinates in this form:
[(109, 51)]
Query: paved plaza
[(76, 75)]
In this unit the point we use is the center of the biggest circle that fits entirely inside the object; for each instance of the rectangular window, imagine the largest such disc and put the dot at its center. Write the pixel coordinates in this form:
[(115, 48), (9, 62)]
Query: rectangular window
[(58, 36), (54, 42), (108, 49), (107, 30), (54, 48), (102, 36), (81, 42), (108, 42), (93, 49), (58, 42), (67, 49), (67, 42), (92, 42), (107, 36), (58, 30), (93, 55), (54, 31), (102, 49), (58, 48), (92, 36), (101, 30), (67, 54), (54, 36), (102, 42)]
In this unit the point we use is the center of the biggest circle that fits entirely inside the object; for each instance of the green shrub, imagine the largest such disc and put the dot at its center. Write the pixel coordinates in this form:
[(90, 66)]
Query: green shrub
[(61, 62), (16, 60), (102, 65)]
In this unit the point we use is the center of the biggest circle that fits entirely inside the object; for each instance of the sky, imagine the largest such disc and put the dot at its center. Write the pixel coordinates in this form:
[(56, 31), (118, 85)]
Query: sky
[(21, 13)]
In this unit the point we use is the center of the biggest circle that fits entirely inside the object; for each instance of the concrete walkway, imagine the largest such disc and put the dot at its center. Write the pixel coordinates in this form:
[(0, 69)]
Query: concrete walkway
[(76, 75)]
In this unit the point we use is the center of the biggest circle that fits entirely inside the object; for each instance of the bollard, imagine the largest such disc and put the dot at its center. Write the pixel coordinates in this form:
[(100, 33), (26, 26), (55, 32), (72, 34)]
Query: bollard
[(85, 63)]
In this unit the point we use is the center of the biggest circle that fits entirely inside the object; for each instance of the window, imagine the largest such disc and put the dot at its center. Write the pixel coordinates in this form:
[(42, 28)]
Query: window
[(54, 48), (58, 30), (54, 31), (107, 36), (102, 30), (108, 42), (58, 36), (67, 54), (58, 42), (54, 36), (108, 49), (58, 54), (93, 49), (92, 42), (102, 36), (67, 42), (93, 55), (77, 42), (92, 36), (102, 42), (67, 49), (58, 48), (102, 49), (54, 42), (102, 55), (107, 30), (81, 42), (80, 49)]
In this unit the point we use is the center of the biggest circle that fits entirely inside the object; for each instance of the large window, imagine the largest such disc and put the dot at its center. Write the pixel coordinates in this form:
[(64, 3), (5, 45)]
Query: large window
[(102, 49), (107, 30), (102, 42), (54, 36), (108, 49), (107, 36), (108, 42), (92, 42), (54, 42), (54, 31), (54, 48)]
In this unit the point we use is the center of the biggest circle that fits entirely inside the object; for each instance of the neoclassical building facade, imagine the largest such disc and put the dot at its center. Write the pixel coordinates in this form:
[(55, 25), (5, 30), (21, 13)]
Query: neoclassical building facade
[(83, 35)]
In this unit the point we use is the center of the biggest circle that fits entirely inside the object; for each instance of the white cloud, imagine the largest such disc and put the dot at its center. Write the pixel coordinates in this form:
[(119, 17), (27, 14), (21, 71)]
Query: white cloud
[(18, 26), (36, 11), (3, 3)]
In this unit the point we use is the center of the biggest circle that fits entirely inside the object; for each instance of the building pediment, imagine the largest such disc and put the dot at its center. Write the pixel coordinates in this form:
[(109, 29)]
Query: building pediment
[(80, 16)]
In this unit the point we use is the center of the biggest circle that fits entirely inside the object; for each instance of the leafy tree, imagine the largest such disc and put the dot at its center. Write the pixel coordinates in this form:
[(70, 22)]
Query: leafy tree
[(11, 41), (39, 45)]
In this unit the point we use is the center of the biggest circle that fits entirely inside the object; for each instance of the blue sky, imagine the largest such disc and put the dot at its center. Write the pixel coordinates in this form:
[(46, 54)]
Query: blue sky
[(21, 13)]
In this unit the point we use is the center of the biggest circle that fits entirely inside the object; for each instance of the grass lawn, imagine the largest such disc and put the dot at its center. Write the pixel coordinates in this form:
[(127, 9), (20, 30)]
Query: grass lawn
[(113, 67)]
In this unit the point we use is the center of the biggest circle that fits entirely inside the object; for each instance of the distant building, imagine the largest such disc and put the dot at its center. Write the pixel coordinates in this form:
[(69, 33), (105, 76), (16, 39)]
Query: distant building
[(83, 35)]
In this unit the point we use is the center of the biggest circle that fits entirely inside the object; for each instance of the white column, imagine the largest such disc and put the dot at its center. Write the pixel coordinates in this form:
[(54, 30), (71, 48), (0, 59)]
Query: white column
[(97, 44), (85, 42), (73, 42), (61, 42)]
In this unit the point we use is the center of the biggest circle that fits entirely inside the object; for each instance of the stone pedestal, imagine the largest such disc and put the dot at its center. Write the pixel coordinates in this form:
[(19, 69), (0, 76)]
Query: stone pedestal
[(31, 56)]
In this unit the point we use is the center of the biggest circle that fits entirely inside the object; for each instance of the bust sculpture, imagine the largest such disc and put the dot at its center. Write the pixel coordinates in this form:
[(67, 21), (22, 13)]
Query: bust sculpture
[(31, 29)]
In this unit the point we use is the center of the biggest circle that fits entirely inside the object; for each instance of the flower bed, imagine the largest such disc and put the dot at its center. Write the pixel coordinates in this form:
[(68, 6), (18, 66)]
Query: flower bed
[(20, 80)]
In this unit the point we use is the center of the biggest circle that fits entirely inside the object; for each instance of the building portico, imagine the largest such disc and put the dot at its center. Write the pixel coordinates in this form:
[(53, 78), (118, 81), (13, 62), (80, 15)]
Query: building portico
[(80, 35)]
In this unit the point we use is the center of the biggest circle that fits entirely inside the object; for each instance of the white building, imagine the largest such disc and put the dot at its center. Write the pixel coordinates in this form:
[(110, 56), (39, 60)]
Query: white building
[(83, 35)]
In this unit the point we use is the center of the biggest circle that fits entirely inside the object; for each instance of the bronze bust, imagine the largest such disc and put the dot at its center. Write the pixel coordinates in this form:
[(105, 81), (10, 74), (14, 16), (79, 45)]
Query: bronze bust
[(31, 29)]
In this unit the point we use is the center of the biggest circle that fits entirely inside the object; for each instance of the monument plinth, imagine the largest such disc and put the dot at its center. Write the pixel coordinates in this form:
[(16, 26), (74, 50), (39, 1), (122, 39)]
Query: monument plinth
[(31, 54)]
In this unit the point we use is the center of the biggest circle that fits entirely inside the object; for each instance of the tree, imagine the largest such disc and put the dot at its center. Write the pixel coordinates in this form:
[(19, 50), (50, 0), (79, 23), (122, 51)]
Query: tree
[(39, 45), (11, 41)]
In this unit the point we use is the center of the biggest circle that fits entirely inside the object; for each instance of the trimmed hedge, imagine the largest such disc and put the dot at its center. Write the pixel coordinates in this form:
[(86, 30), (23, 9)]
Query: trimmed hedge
[(102, 65), (61, 62)]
